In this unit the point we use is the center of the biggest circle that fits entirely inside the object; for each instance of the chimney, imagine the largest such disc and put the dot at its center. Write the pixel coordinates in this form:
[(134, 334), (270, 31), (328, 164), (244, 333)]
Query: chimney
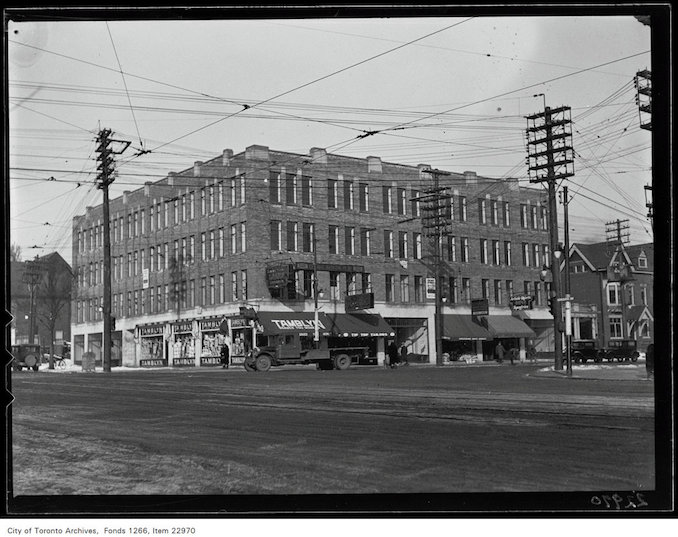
[(196, 168), (125, 195), (318, 155), (172, 175), (374, 165), (471, 178), (226, 156), (422, 174), (147, 188)]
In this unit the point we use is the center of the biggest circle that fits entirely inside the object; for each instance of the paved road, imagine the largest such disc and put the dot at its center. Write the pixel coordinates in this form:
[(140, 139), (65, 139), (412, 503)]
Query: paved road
[(300, 431)]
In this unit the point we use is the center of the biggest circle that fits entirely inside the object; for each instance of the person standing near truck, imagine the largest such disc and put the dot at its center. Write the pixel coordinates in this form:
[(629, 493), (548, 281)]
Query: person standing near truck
[(392, 351)]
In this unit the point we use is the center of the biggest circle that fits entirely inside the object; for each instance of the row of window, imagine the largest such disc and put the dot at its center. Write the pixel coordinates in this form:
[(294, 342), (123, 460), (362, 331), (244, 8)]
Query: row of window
[(162, 298), (166, 213), (168, 256), (615, 297)]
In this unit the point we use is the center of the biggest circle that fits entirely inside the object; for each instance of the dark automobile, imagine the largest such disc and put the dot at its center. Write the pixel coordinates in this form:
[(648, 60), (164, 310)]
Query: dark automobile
[(622, 350), (26, 356), (584, 350)]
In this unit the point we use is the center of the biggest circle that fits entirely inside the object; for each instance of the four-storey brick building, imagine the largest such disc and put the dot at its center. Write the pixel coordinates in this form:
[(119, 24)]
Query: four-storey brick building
[(255, 229)]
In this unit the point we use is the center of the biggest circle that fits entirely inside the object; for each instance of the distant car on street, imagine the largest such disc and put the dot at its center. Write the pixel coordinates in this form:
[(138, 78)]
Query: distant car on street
[(622, 350)]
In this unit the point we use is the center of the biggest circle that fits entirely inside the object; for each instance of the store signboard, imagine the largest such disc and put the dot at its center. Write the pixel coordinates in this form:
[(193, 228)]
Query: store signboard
[(360, 301), (521, 302), (480, 307)]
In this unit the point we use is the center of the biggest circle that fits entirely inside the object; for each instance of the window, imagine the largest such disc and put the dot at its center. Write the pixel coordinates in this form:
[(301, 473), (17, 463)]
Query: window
[(453, 290), (526, 254), (307, 237), (234, 192), (462, 209), (213, 290), (203, 291), (416, 207), (496, 253), (534, 217), (243, 236), (527, 288), (367, 282), (418, 246), (404, 288), (365, 246), (643, 294), (363, 193), (483, 252), (212, 249), (351, 283), (291, 189), (234, 286), (203, 246), (387, 199), (222, 242), (402, 245), (306, 191), (203, 202), (332, 193), (535, 252), (390, 287), (234, 238), (544, 223), (191, 252), (334, 286), (349, 240), (221, 195), (451, 248), (523, 216), (507, 214), (418, 288), (485, 288), (402, 201), (495, 212), (509, 288), (642, 261), (388, 243), (184, 213), (615, 327), (274, 193), (498, 292), (466, 290), (348, 195), (292, 236), (546, 258), (276, 235), (538, 299), (464, 250), (482, 207), (243, 285), (176, 213), (334, 239), (613, 297)]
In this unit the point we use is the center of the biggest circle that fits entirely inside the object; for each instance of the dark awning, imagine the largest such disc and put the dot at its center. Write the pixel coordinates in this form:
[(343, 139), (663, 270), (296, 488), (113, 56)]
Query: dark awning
[(293, 322), (359, 325), (508, 326), (462, 327)]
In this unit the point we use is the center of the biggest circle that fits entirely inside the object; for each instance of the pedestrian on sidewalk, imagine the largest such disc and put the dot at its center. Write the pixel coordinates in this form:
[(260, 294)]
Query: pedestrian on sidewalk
[(513, 354), (392, 352), (649, 361), (499, 352), (225, 356)]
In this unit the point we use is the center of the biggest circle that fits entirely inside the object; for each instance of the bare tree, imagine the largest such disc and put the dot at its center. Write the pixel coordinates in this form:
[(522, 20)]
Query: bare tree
[(53, 295), (15, 252)]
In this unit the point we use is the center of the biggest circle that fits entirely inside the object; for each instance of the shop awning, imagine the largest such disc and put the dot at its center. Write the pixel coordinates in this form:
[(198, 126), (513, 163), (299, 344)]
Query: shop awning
[(462, 327), (293, 322), (508, 326), (534, 315), (359, 325)]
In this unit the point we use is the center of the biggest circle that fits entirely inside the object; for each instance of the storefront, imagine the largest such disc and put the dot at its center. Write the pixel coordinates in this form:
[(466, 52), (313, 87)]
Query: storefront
[(152, 345), (183, 344), (412, 333), (541, 323), (211, 340), (463, 337), (511, 332), (359, 330)]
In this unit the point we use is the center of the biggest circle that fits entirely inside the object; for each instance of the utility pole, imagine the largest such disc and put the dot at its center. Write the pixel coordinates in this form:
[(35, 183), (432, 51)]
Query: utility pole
[(104, 179), (568, 298), (32, 277), (614, 232), (316, 329), (551, 158), (643, 83), (434, 227)]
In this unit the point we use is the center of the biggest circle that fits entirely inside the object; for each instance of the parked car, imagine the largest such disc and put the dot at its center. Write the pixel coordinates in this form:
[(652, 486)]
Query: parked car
[(26, 356), (622, 350), (584, 350)]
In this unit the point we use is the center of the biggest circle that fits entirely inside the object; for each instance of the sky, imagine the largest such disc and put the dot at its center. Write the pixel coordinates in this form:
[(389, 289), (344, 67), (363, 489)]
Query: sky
[(457, 88)]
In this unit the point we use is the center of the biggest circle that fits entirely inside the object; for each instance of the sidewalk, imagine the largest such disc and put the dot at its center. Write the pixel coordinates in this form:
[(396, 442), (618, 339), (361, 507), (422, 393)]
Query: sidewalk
[(597, 372)]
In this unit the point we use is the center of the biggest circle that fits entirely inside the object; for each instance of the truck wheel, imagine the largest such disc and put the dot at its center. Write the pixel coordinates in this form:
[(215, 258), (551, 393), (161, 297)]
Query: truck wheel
[(342, 361), (249, 364), (263, 362)]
